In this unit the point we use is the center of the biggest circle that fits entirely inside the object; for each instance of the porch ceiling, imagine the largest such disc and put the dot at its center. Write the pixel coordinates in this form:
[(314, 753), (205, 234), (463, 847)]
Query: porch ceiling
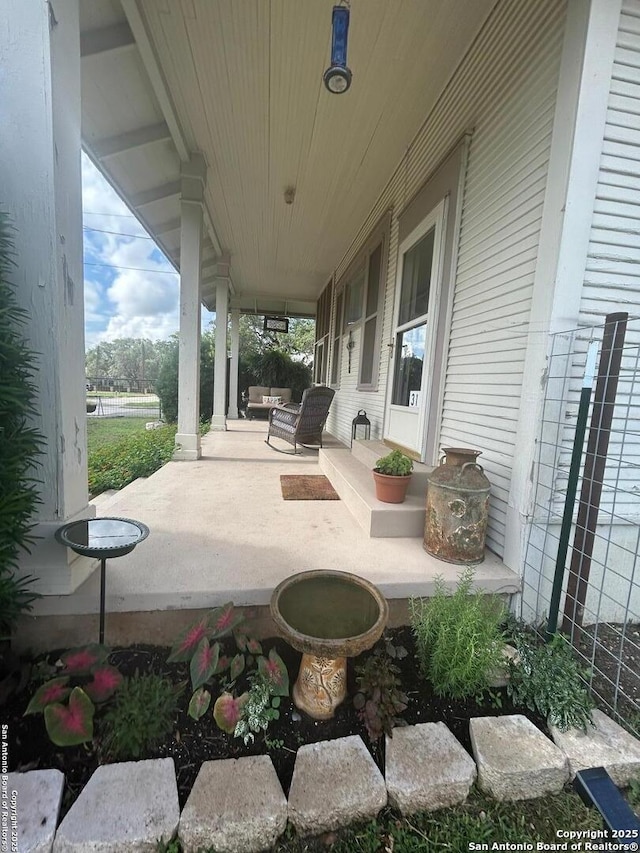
[(242, 83)]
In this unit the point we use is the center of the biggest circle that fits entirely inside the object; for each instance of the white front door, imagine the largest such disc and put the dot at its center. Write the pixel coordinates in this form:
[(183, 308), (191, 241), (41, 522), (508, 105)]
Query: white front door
[(418, 288)]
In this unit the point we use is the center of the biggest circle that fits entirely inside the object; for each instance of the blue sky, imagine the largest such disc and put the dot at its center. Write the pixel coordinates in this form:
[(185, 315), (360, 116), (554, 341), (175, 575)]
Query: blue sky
[(130, 288)]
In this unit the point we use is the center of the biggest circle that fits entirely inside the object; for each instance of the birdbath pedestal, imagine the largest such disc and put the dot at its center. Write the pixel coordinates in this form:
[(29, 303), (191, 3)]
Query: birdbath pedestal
[(329, 616)]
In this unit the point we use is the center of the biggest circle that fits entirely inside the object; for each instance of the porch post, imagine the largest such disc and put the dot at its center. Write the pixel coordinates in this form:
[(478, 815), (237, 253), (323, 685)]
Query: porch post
[(42, 193), (219, 419), (579, 125), (192, 192), (235, 364)]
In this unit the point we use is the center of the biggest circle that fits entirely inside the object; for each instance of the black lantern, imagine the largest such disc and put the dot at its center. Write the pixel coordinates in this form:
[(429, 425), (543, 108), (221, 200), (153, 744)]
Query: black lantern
[(360, 427)]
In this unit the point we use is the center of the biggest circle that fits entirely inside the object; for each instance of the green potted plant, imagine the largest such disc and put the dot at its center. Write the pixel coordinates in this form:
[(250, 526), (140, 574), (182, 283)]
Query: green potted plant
[(392, 475)]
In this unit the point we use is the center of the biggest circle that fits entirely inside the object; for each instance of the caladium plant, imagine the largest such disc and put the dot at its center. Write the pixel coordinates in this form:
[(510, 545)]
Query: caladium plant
[(227, 711), (85, 679), (69, 725), (200, 646), (274, 672)]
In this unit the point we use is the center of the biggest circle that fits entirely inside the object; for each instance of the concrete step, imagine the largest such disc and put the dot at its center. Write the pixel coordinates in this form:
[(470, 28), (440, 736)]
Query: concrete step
[(353, 481), (368, 453), (103, 504)]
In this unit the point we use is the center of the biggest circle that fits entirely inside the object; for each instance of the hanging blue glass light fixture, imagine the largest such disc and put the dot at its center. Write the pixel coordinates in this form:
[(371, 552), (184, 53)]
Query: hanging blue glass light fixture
[(337, 77)]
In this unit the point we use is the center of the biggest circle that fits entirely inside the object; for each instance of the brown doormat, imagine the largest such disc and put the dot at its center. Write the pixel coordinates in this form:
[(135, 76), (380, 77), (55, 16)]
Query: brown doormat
[(307, 487)]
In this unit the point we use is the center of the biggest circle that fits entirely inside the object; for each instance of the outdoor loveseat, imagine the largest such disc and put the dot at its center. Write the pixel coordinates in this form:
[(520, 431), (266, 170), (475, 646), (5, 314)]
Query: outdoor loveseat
[(257, 398), (301, 424)]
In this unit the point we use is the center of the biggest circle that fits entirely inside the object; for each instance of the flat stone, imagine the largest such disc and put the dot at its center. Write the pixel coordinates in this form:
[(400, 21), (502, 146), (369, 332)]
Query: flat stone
[(335, 783), (235, 806), (501, 675), (37, 799), (605, 745), (516, 761), (124, 808), (427, 768)]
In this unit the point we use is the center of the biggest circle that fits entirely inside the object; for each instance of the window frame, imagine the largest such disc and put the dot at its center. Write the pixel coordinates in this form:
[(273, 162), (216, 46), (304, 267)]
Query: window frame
[(323, 330)]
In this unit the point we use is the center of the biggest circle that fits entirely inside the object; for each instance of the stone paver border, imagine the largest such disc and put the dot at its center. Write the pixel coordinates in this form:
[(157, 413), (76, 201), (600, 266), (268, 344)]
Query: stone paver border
[(319, 799)]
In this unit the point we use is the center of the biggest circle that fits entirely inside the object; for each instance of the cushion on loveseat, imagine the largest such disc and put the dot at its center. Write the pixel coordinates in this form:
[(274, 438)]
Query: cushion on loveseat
[(285, 393), (257, 392)]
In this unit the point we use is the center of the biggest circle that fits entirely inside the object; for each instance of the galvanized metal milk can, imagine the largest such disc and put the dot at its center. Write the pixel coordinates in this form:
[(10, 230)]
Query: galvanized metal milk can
[(457, 508)]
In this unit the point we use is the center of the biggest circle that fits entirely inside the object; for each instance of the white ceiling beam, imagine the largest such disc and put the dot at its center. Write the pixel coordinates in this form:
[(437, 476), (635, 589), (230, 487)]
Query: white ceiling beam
[(167, 227), (138, 138), (161, 90), (155, 194), (106, 39), (156, 77)]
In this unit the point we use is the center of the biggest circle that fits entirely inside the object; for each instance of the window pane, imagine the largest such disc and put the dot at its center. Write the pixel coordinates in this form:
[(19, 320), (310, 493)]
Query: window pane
[(335, 361), (373, 289), (353, 298), (409, 358), (368, 352), (338, 326), (416, 279)]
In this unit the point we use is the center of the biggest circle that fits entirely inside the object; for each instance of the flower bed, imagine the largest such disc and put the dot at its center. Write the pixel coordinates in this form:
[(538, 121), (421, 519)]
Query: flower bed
[(190, 741)]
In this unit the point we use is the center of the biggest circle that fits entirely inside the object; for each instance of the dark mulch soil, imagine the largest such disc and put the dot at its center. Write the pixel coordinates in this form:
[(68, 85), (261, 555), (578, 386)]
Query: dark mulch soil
[(193, 742), (612, 651)]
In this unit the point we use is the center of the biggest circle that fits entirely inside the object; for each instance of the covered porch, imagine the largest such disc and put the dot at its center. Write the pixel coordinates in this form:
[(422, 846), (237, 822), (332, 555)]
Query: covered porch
[(221, 531), (435, 219)]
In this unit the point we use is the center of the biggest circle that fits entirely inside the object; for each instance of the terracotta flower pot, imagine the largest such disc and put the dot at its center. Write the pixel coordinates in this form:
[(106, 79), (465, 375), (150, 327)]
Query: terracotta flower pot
[(390, 489)]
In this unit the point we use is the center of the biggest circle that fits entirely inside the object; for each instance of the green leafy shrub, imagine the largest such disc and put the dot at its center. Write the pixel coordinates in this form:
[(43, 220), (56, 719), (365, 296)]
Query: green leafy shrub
[(548, 680), (116, 465), (20, 444), (379, 699), (258, 709), (166, 386), (141, 717), (458, 637), (395, 464)]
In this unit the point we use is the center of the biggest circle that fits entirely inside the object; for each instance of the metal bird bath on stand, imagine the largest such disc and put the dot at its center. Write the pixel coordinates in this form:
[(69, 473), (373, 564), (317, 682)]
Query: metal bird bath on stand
[(102, 538)]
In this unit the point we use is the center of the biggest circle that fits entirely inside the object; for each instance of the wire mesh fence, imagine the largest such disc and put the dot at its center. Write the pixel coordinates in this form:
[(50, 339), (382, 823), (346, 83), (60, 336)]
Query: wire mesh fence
[(122, 398), (582, 566)]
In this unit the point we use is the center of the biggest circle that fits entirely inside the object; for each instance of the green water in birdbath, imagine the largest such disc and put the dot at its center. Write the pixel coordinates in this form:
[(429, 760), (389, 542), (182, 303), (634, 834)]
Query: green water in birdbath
[(328, 608)]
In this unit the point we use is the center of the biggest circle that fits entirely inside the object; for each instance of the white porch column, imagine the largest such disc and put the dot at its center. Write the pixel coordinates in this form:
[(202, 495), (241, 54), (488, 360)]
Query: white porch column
[(219, 419), (235, 364), (42, 193), (579, 124), (192, 193)]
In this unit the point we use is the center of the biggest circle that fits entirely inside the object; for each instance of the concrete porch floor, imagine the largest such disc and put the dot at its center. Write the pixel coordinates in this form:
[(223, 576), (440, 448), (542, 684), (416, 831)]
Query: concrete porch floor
[(221, 531)]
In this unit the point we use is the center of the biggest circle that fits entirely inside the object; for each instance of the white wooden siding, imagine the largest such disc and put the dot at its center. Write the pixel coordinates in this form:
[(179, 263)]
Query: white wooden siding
[(612, 276), (505, 89), (612, 280)]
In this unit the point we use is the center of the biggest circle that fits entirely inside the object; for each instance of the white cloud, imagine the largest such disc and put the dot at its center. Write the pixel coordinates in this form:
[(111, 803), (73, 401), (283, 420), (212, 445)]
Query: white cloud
[(128, 292)]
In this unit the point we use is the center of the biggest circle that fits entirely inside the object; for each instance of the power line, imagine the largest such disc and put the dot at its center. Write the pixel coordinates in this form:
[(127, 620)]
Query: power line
[(133, 269), (95, 213), (117, 233)]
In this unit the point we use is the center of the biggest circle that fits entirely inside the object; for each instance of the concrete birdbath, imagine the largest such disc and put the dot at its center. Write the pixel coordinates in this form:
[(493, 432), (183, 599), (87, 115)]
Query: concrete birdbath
[(329, 616)]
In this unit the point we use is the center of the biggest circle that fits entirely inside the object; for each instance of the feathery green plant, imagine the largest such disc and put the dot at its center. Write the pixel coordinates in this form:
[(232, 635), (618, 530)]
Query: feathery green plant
[(458, 637), (20, 444)]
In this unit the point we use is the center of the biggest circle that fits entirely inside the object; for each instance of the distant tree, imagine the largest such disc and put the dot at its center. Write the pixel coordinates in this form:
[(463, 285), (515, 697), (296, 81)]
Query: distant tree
[(166, 386), (135, 359), (298, 342)]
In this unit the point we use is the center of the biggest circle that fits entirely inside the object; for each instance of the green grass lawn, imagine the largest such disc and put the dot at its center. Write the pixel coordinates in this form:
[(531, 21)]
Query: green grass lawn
[(121, 450), (103, 431)]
